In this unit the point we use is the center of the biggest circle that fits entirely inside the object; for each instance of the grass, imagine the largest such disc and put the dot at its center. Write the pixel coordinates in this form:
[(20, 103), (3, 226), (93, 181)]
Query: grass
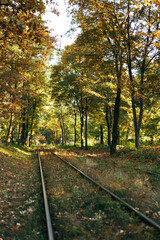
[(125, 173), (82, 211), (21, 208)]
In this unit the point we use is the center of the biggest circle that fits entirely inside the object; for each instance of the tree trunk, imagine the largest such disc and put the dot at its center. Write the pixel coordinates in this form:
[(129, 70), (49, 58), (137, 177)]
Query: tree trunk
[(27, 132), (137, 139), (137, 123), (12, 136), (34, 109), (86, 129), (129, 62), (143, 66), (75, 129), (127, 134), (137, 133), (10, 129), (62, 135), (101, 135), (9, 137), (151, 142), (19, 132), (115, 132), (81, 111), (62, 132), (23, 127), (30, 138), (109, 122), (82, 126)]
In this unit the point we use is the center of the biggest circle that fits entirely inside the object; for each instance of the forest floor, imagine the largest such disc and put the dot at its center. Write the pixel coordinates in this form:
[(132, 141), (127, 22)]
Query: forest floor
[(21, 206), (127, 173), (82, 211), (132, 175)]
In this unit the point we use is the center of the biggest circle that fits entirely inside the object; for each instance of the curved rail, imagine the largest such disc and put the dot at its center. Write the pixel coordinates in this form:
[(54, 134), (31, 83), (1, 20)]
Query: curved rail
[(143, 216), (48, 218)]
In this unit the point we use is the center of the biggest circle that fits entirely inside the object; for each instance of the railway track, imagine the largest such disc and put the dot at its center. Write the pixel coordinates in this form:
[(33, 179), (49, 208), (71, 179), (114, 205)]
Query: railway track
[(46, 207), (136, 169), (143, 217)]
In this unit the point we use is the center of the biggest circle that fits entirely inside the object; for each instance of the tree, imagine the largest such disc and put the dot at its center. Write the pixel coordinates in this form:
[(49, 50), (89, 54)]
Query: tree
[(71, 84), (24, 46), (141, 51), (103, 22), (131, 30), (151, 109)]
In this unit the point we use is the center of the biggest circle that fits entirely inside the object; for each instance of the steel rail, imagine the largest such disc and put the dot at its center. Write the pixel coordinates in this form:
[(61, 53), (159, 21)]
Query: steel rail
[(152, 173), (137, 169), (48, 218), (143, 216)]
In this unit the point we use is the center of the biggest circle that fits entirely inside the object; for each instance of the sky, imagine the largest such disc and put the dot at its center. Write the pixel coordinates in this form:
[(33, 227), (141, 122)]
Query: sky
[(60, 24)]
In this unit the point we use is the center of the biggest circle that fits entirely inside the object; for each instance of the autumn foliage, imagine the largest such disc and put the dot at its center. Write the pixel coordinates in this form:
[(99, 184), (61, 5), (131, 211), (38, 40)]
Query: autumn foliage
[(105, 73), (24, 46)]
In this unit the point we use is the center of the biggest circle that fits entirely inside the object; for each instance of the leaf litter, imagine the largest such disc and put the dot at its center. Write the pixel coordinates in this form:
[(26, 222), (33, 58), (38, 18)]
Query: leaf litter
[(82, 211), (20, 195)]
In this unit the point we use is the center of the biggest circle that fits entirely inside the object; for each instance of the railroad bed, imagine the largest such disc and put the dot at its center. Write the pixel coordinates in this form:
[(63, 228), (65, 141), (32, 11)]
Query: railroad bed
[(137, 186), (80, 209)]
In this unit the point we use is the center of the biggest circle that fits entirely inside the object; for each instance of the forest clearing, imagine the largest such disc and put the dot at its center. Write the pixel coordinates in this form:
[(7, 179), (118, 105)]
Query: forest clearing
[(94, 103)]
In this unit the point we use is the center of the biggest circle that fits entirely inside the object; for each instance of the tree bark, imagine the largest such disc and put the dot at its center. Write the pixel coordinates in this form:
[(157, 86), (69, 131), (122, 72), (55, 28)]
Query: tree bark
[(27, 131), (12, 136), (23, 118), (86, 127), (101, 135), (143, 65), (19, 132), (75, 128), (82, 126), (61, 120), (32, 120), (109, 123), (22, 140), (62, 131), (129, 62), (81, 111), (10, 129), (115, 132)]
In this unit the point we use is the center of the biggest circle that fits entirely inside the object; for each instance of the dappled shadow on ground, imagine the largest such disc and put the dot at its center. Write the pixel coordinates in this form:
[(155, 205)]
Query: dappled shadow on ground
[(133, 175), (81, 210), (19, 195)]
